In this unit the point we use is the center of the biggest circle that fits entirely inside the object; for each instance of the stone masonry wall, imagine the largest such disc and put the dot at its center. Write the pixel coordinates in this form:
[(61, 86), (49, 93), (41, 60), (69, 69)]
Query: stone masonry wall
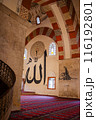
[(12, 42)]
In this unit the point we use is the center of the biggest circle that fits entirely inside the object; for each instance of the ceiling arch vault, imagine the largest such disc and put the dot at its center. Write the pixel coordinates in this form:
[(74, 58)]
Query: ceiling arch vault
[(47, 32), (69, 18)]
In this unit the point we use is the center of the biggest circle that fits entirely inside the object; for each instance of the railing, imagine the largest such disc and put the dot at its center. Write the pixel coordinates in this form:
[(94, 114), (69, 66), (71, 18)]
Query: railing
[(7, 76)]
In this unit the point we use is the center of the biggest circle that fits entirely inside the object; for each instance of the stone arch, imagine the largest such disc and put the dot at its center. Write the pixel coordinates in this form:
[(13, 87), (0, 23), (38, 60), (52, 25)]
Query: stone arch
[(70, 18), (72, 26), (71, 21), (47, 32)]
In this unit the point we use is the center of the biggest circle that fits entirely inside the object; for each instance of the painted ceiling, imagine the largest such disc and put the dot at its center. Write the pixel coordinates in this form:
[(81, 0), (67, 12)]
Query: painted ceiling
[(31, 8)]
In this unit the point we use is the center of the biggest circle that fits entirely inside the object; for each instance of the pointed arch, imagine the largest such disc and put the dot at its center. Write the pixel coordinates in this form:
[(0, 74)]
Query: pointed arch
[(70, 18), (49, 33)]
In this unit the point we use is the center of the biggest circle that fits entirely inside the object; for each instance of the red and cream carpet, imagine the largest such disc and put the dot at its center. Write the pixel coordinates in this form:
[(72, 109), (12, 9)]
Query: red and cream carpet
[(35, 107)]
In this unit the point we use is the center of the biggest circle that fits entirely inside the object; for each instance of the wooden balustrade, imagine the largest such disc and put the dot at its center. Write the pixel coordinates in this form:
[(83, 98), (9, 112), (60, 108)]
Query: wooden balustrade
[(8, 78)]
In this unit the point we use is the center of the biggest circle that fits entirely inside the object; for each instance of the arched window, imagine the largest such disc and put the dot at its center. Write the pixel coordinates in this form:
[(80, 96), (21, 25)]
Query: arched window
[(25, 54), (52, 49), (38, 21)]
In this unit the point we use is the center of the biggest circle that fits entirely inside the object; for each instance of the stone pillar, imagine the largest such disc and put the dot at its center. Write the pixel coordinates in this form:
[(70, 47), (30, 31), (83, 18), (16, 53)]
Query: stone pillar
[(1, 1), (12, 43), (76, 4)]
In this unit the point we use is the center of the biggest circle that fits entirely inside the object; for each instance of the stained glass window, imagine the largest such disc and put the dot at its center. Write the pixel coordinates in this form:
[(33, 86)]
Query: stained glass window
[(52, 49), (25, 54)]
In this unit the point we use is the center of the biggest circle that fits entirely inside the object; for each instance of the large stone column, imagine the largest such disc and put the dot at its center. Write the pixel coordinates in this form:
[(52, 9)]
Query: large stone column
[(1, 1), (12, 43)]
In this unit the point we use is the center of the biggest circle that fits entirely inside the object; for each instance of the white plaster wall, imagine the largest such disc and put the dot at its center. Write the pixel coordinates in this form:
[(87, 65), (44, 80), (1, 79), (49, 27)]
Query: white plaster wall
[(51, 66)]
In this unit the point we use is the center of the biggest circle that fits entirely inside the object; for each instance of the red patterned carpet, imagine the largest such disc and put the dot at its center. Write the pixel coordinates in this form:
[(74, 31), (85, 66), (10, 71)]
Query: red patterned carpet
[(35, 107)]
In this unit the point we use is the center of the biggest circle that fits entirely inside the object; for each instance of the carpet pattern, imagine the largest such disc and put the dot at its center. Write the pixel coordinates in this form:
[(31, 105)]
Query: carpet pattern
[(35, 107)]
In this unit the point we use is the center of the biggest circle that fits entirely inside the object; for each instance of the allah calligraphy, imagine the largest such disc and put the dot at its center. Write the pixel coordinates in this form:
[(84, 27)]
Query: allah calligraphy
[(37, 50), (30, 60), (34, 76), (45, 54), (40, 71)]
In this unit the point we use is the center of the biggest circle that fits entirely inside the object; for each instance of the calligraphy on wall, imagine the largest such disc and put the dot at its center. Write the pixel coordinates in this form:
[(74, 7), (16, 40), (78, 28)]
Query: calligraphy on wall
[(65, 75), (37, 50), (30, 60), (40, 71)]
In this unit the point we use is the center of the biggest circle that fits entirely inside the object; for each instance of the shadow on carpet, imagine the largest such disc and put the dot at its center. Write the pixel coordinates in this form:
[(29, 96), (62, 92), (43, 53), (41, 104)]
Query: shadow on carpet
[(35, 107)]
